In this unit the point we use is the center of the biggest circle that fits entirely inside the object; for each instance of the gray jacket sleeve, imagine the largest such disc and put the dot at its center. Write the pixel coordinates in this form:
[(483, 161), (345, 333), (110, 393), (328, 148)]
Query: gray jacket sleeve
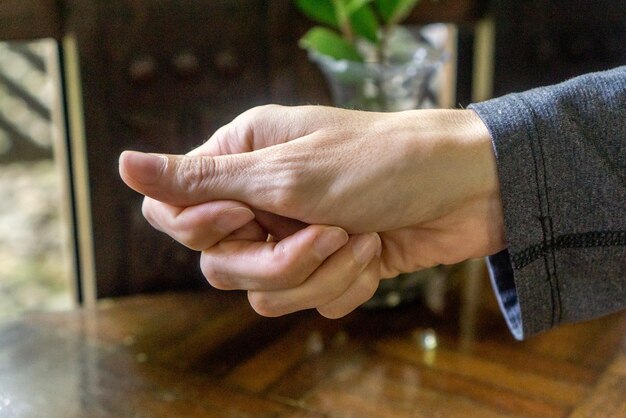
[(561, 157)]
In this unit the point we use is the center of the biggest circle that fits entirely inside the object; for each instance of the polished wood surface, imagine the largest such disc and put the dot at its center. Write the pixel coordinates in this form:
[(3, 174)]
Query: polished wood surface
[(209, 355)]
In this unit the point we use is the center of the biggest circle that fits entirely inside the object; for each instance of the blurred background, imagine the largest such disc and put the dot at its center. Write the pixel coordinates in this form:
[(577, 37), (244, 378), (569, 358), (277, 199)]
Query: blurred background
[(82, 80), (35, 246)]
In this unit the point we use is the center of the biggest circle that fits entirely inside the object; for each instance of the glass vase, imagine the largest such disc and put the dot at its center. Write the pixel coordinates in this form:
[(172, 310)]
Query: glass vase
[(403, 77)]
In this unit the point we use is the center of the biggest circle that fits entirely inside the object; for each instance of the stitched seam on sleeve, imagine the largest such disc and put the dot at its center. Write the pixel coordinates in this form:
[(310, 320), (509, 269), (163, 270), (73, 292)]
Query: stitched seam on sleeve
[(536, 150), (578, 240), (550, 259)]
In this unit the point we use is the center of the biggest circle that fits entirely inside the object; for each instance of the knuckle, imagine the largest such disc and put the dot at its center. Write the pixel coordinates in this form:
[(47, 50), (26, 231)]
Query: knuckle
[(288, 187), (264, 304), (189, 238), (255, 115), (366, 289), (147, 211), (214, 276), (362, 290), (218, 280), (217, 137), (262, 110), (332, 312), (193, 171), (190, 232), (368, 284)]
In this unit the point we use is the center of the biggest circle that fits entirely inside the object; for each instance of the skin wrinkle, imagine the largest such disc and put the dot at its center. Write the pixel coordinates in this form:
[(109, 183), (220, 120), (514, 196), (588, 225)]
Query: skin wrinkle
[(346, 181), (292, 184), (192, 172), (284, 182)]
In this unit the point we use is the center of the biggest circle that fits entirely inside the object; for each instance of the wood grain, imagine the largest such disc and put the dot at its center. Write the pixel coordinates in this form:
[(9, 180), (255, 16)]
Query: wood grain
[(207, 354)]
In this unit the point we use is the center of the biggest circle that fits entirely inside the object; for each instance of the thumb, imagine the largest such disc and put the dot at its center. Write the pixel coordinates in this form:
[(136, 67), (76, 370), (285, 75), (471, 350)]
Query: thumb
[(188, 180)]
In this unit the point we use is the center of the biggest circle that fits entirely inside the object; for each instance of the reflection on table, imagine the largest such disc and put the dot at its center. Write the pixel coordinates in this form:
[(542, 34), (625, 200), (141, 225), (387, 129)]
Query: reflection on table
[(209, 354)]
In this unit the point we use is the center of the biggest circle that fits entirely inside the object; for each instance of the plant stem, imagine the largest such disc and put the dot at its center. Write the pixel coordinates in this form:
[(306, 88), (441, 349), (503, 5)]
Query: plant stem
[(383, 44), (344, 21), (381, 59)]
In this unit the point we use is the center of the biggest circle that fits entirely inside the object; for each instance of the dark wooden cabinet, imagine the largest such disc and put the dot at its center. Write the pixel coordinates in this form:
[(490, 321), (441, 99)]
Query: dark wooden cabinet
[(158, 76), (29, 19), (541, 42)]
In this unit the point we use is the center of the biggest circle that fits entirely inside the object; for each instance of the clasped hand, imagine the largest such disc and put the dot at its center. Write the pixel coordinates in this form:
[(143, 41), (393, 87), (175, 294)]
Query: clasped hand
[(309, 207)]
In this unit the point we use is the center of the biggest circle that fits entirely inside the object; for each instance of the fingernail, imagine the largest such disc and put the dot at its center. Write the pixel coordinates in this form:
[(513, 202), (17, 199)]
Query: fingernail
[(329, 241), (230, 220), (365, 247), (146, 168)]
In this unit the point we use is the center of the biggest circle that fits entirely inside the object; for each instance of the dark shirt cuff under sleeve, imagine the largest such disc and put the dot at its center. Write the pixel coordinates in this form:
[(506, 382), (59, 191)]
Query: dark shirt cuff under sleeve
[(502, 280)]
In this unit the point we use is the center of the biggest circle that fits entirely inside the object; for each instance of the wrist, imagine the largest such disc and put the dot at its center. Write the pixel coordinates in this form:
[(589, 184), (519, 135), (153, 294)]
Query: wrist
[(481, 173), (453, 157)]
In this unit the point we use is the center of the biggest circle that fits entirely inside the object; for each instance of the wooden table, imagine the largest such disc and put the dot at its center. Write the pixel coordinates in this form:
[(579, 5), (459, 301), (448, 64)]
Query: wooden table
[(209, 355)]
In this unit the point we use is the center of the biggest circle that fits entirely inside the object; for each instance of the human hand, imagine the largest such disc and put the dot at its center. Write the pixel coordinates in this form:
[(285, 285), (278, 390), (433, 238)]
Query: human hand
[(425, 181)]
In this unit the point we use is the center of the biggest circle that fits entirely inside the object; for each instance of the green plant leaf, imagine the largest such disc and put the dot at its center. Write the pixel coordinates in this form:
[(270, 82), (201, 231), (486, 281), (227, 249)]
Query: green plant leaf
[(341, 14), (320, 11), (327, 42), (394, 11), (365, 24), (354, 5)]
